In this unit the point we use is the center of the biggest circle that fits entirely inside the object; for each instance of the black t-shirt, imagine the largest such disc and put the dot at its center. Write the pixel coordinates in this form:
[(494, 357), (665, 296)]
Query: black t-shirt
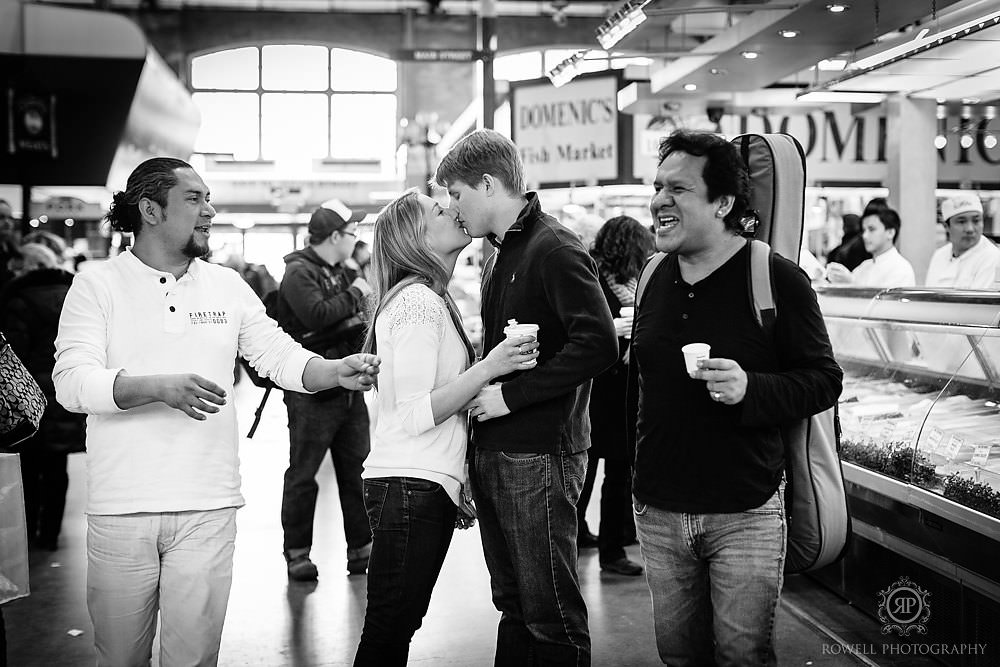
[(694, 454)]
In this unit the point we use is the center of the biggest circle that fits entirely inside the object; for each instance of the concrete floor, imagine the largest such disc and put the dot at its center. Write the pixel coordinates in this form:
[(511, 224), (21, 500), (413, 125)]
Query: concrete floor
[(272, 622)]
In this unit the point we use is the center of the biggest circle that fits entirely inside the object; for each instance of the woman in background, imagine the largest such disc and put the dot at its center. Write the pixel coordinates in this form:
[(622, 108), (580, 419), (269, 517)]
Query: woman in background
[(30, 305), (620, 249), (415, 478)]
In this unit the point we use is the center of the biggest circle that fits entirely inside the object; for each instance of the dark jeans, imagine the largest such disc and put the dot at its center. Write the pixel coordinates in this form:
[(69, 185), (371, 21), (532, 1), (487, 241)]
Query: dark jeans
[(412, 522), (316, 425), (45, 483), (527, 520), (616, 507)]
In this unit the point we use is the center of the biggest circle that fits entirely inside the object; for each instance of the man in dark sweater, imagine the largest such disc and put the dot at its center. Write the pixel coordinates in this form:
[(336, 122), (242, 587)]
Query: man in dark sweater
[(708, 482), (317, 300), (531, 430)]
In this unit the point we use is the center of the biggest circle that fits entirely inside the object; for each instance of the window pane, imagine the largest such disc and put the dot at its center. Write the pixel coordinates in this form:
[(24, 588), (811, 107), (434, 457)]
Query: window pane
[(518, 66), (376, 114), (294, 67), (235, 69), (354, 70), (228, 124), (294, 125)]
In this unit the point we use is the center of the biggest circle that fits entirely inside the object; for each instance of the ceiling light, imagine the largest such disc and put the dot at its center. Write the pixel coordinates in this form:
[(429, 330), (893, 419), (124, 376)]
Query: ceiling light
[(851, 96), (908, 49), (832, 64), (940, 141), (837, 8), (718, 71), (622, 22), (565, 71), (966, 140), (749, 55), (690, 86), (789, 34), (989, 140)]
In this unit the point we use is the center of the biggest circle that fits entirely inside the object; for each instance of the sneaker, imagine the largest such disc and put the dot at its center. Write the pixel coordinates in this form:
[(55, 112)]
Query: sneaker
[(301, 568), (357, 559), (623, 566)]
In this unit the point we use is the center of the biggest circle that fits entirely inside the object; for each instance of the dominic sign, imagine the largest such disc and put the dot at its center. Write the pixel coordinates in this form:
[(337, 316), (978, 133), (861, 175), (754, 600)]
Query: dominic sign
[(567, 134)]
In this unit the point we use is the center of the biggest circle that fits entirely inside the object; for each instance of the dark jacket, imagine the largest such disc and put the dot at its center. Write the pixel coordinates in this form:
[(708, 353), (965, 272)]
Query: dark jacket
[(607, 397), (30, 306), (850, 253), (542, 275), (317, 298)]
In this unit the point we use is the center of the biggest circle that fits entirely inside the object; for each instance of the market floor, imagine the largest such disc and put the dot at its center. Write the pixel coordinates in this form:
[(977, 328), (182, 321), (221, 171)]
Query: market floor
[(273, 622)]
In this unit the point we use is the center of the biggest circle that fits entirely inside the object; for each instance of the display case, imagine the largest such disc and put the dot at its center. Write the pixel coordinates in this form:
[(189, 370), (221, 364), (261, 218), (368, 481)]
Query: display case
[(920, 417)]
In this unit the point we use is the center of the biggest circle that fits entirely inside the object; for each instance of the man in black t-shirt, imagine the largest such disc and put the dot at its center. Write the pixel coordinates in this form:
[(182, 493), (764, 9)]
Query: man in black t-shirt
[(709, 457)]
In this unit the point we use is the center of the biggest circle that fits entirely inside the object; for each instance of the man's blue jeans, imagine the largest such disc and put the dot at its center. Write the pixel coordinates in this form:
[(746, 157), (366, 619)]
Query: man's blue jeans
[(337, 424), (527, 519), (715, 580), (412, 522)]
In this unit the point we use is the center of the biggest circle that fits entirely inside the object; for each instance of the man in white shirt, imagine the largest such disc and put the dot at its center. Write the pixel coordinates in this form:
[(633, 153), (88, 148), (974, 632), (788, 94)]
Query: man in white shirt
[(886, 268), (969, 260), (145, 348)]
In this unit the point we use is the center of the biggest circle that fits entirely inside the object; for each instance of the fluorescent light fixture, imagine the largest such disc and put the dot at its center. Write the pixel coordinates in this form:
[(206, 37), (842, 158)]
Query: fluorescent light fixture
[(928, 41), (849, 96), (626, 19), (567, 70), (832, 64)]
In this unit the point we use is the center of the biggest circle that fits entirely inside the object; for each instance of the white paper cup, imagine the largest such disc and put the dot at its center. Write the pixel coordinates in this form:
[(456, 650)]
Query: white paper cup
[(692, 353), (515, 330)]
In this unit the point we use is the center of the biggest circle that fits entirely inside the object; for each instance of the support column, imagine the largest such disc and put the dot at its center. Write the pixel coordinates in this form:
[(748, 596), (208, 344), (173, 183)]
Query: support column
[(488, 45), (913, 166)]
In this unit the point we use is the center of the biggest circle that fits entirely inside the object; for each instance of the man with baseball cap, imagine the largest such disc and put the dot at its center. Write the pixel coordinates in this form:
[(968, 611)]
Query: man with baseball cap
[(321, 305), (969, 260)]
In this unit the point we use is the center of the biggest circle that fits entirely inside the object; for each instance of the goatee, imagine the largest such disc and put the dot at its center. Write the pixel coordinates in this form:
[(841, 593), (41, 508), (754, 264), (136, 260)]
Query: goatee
[(192, 250)]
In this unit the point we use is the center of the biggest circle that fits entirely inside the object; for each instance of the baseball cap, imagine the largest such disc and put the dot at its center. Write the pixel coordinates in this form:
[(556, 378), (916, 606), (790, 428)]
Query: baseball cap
[(332, 215), (960, 204)]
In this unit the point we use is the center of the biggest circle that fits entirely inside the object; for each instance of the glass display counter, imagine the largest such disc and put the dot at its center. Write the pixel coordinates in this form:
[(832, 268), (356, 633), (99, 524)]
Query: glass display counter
[(920, 419)]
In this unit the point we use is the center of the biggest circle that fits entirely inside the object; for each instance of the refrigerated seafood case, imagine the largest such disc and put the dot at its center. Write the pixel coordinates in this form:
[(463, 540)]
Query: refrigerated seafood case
[(920, 415)]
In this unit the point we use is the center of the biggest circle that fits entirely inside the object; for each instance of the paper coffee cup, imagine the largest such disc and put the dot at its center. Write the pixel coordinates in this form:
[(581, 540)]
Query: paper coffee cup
[(627, 311), (692, 353), (514, 330)]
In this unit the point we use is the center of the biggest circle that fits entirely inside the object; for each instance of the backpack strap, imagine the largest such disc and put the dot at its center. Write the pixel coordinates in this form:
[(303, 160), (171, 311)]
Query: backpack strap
[(761, 289), (646, 274)]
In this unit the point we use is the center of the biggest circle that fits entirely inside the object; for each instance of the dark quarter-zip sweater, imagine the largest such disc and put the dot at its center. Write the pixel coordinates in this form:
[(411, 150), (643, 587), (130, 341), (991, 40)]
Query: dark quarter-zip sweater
[(542, 275), (698, 456)]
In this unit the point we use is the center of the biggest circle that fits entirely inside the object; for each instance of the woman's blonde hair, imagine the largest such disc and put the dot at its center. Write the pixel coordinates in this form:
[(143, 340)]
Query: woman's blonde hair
[(402, 257)]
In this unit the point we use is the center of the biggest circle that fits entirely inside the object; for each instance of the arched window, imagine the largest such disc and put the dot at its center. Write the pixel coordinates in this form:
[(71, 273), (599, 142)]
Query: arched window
[(297, 101)]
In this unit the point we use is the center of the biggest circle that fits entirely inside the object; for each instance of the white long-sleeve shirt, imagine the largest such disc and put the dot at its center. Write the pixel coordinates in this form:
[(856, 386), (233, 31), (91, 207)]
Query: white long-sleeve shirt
[(976, 268), (420, 351), (890, 269), (123, 315)]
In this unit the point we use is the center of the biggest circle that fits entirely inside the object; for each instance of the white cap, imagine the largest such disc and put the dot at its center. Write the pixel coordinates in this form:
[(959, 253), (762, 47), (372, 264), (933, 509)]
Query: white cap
[(960, 204)]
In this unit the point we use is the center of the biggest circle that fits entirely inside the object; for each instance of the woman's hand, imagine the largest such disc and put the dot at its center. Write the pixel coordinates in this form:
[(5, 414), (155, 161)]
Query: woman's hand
[(466, 509), (511, 355)]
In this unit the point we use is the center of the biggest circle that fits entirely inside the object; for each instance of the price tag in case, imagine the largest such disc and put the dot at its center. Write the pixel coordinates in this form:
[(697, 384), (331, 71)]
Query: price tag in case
[(980, 455)]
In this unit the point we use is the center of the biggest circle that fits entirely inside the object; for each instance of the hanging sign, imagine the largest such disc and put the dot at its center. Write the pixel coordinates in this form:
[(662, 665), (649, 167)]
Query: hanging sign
[(31, 123), (570, 134)]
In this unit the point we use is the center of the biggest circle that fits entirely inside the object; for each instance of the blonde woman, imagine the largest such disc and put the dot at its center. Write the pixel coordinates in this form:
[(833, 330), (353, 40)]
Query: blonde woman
[(414, 477)]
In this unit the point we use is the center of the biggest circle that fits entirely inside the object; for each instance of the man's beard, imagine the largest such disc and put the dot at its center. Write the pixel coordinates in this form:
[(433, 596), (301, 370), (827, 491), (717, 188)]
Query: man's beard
[(193, 250)]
